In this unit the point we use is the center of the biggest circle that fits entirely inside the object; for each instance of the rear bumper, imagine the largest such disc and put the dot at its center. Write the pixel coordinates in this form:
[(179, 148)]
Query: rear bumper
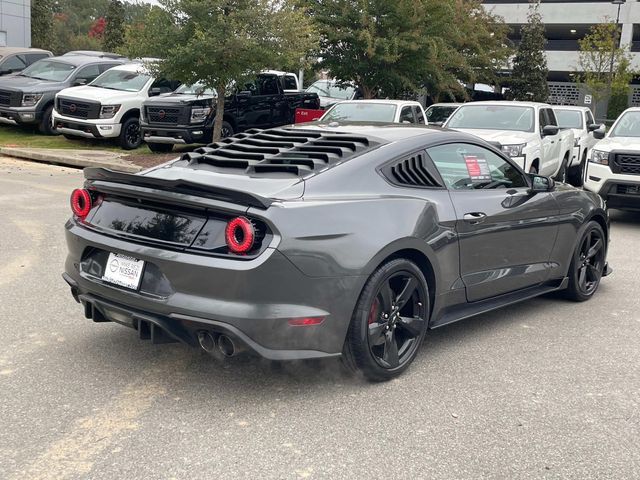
[(176, 135), (251, 301)]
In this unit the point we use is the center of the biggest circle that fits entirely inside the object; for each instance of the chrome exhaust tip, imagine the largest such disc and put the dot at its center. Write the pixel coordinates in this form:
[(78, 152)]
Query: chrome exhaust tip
[(206, 341), (226, 346)]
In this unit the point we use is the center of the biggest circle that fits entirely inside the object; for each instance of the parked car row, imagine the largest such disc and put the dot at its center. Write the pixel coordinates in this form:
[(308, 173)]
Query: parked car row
[(102, 95)]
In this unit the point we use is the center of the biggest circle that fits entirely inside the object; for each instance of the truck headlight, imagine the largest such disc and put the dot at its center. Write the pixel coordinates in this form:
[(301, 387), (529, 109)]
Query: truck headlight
[(513, 150), (598, 156), (31, 99), (199, 114), (109, 111)]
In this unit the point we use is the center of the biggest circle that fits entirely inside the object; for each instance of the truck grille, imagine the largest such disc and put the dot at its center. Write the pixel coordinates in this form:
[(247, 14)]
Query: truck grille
[(628, 163), (70, 107), (164, 115), (10, 99), (628, 189)]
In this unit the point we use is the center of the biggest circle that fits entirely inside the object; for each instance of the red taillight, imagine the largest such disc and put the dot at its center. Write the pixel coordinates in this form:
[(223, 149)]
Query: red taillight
[(305, 322), (81, 202), (240, 235)]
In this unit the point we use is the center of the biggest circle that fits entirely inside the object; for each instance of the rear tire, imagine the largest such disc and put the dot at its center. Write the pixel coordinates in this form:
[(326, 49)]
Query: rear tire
[(46, 126), (160, 147), (389, 322), (130, 135), (587, 263)]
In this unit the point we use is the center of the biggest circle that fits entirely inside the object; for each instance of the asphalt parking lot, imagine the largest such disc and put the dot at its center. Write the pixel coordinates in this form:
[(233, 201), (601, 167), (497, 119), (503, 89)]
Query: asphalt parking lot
[(544, 389)]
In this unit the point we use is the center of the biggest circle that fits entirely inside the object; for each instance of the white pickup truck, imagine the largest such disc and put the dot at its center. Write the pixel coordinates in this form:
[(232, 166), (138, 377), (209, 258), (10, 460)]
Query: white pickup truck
[(526, 131), (580, 120), (109, 107), (613, 169)]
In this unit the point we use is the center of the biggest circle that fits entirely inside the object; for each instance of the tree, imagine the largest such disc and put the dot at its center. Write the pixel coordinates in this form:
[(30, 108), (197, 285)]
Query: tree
[(41, 23), (114, 32), (408, 45), (529, 76), (604, 67), (219, 42)]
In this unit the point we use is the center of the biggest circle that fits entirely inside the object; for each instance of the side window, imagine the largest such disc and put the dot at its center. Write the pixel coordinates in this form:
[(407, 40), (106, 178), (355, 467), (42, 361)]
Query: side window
[(88, 73), (165, 85), (465, 166), (290, 82), (106, 66), (419, 116), (590, 119), (268, 85), (406, 115), (551, 115), (543, 119), (13, 64), (34, 57)]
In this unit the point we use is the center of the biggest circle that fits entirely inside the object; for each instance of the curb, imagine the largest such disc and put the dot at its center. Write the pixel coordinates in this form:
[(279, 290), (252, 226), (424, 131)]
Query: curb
[(72, 158)]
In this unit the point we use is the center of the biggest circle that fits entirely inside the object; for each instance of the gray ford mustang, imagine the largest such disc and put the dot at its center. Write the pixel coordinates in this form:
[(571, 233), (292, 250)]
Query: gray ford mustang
[(323, 240)]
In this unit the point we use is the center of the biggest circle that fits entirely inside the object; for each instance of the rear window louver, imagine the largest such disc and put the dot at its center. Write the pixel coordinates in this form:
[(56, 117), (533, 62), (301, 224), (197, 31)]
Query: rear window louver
[(412, 171), (280, 150)]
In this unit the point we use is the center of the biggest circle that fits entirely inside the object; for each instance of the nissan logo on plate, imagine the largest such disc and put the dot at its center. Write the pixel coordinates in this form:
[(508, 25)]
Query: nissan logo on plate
[(73, 108), (162, 114)]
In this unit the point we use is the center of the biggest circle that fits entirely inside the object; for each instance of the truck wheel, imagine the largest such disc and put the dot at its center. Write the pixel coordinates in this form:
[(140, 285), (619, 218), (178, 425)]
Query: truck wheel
[(576, 173), (46, 126), (130, 137), (562, 173), (160, 147), (227, 130), (533, 169)]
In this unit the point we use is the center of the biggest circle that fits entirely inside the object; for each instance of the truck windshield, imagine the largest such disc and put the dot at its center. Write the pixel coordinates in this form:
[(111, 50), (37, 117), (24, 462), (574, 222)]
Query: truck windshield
[(331, 90), (361, 112), (49, 70), (568, 118), (493, 117), (628, 125), (196, 89), (123, 80)]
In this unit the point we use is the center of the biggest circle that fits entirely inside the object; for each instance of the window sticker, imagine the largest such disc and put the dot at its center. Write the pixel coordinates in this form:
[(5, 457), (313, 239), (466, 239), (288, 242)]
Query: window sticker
[(478, 168)]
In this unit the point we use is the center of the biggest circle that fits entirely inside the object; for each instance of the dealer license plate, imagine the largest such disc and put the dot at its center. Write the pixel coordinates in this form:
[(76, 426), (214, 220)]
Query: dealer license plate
[(124, 271)]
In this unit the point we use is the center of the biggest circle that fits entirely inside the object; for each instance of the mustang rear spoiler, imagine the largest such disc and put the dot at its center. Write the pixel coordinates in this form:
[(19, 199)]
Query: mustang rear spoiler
[(179, 186)]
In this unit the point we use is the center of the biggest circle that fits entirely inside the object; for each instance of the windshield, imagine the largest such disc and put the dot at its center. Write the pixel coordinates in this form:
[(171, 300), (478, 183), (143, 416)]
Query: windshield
[(361, 112), (331, 89), (196, 89), (568, 118), (48, 70), (123, 80), (628, 125), (493, 117), (436, 114)]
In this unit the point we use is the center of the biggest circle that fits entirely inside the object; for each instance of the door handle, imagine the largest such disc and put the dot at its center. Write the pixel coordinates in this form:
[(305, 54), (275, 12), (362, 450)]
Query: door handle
[(474, 217)]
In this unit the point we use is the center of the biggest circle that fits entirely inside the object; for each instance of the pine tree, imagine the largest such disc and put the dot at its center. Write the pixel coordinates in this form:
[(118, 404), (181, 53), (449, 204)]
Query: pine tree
[(41, 23), (529, 77), (115, 29)]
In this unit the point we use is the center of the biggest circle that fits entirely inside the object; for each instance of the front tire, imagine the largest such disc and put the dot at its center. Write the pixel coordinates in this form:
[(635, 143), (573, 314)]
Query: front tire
[(160, 147), (587, 263), (130, 135), (576, 173), (46, 124), (389, 322)]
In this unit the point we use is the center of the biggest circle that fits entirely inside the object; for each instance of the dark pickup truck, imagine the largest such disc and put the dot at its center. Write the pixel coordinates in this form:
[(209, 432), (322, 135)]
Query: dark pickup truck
[(186, 116)]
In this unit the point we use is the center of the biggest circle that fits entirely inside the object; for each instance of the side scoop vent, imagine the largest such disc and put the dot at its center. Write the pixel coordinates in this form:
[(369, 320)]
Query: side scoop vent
[(413, 172)]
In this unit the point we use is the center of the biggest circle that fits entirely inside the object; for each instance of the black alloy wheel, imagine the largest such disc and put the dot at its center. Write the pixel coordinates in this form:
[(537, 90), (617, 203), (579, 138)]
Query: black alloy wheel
[(389, 322), (130, 134), (227, 130), (588, 263)]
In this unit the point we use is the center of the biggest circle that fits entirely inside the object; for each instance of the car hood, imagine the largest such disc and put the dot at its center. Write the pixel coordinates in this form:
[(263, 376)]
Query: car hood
[(618, 143), (178, 98), (502, 137), (102, 95), (28, 84)]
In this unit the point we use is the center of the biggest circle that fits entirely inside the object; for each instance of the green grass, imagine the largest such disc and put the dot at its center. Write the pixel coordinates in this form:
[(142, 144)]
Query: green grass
[(26, 137)]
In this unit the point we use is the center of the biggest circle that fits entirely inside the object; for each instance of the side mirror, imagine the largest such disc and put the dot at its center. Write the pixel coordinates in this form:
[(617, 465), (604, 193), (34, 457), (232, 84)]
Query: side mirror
[(154, 92), (245, 93), (550, 130), (80, 81), (540, 183), (436, 124), (600, 133), (593, 127)]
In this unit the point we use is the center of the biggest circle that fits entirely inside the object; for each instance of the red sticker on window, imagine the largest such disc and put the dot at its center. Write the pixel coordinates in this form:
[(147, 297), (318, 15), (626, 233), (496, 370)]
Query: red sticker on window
[(478, 168)]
